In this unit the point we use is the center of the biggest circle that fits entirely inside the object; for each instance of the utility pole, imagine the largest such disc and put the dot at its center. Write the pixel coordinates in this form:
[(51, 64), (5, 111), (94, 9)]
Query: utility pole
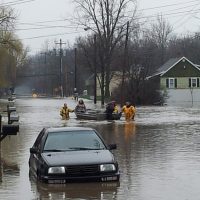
[(75, 77), (75, 68), (45, 72), (45, 57), (95, 69), (61, 68), (124, 65)]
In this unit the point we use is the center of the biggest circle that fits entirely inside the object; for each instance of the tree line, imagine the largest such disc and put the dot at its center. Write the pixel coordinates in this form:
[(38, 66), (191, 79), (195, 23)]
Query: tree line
[(116, 43), (12, 54)]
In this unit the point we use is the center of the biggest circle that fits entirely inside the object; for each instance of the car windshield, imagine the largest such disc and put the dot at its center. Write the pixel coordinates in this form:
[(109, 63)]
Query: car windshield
[(72, 141)]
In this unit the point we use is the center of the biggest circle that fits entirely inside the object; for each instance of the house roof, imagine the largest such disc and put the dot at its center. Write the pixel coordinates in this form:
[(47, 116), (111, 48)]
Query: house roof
[(171, 62), (168, 65)]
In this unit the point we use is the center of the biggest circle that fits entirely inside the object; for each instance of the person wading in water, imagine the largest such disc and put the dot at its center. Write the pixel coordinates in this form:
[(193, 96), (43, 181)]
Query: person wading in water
[(64, 112)]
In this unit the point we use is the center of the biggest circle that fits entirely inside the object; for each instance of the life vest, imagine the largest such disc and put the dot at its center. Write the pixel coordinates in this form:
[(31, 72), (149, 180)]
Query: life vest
[(64, 112), (129, 112)]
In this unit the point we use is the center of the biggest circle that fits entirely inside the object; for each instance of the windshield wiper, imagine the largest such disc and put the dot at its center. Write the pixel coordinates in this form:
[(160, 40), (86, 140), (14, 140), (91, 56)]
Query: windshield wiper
[(53, 150), (72, 149), (84, 148)]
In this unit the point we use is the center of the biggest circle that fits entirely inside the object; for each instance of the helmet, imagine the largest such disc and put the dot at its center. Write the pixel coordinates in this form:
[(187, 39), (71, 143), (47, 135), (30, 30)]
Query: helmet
[(81, 101)]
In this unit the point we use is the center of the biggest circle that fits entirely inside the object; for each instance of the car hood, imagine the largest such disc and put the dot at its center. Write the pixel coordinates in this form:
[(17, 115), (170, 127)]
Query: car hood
[(78, 157)]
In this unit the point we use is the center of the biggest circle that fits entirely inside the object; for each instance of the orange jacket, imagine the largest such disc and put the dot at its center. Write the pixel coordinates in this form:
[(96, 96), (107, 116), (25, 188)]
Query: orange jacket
[(129, 112)]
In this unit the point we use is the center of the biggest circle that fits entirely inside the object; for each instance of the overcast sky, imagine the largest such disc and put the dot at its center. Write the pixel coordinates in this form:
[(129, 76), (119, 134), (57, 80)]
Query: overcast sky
[(42, 20)]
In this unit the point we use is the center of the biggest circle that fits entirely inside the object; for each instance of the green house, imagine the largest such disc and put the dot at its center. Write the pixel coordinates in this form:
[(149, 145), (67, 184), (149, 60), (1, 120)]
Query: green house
[(179, 81)]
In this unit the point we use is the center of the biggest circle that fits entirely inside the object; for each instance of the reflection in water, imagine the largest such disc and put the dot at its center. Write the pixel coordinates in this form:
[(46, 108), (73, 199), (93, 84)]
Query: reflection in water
[(9, 168), (129, 129), (99, 191), (158, 154)]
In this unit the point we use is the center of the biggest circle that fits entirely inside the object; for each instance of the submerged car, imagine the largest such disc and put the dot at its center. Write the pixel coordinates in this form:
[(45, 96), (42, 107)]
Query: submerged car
[(66, 154)]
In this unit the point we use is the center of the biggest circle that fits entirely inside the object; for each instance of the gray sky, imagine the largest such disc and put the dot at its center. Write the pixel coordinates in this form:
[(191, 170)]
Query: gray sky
[(43, 20)]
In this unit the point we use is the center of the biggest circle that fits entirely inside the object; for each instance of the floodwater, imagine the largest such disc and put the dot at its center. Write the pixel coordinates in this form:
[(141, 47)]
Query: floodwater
[(158, 154)]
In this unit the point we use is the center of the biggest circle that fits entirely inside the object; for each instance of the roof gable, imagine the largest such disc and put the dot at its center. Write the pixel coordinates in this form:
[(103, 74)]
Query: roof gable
[(169, 65), (176, 62)]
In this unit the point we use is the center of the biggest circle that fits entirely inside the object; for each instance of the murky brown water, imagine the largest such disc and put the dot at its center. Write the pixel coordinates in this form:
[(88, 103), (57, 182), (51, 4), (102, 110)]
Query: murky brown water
[(158, 154)]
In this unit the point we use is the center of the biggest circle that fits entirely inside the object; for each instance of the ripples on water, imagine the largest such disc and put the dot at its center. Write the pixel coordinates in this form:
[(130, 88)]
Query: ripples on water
[(158, 154)]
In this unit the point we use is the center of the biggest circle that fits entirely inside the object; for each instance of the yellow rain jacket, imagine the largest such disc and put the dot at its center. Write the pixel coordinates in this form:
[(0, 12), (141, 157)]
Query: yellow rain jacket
[(129, 112), (64, 112), (116, 109)]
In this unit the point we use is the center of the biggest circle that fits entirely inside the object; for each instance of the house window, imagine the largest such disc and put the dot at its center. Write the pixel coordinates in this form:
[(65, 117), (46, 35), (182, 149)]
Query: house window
[(171, 82), (193, 82)]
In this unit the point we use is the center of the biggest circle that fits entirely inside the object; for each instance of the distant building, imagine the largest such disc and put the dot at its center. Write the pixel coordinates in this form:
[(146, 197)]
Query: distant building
[(179, 81), (114, 83)]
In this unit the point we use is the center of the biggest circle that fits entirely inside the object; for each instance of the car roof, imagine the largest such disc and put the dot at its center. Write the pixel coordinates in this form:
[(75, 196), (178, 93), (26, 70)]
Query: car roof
[(60, 129)]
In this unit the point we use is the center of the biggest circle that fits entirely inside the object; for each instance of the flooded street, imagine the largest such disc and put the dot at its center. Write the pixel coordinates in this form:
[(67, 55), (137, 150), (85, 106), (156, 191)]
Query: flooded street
[(158, 154)]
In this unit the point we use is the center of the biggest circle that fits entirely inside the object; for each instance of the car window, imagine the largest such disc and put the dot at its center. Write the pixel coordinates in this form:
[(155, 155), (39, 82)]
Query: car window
[(73, 140), (37, 142)]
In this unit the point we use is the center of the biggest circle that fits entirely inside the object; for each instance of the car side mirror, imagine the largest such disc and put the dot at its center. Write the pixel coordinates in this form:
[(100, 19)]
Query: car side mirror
[(33, 150), (112, 146)]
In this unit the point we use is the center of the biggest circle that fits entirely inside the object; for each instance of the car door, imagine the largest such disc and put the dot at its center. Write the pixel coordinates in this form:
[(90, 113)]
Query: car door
[(35, 157)]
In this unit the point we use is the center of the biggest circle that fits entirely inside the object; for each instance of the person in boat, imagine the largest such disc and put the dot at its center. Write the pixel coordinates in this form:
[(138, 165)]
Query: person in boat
[(111, 108), (64, 112), (129, 111), (81, 108)]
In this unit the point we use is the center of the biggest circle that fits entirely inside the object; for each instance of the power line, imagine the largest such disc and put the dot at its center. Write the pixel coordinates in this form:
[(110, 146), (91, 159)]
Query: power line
[(51, 35), (47, 21), (13, 3), (182, 8), (40, 23), (43, 27), (69, 19), (188, 17), (168, 5), (186, 13), (43, 36), (138, 18), (170, 15), (166, 14)]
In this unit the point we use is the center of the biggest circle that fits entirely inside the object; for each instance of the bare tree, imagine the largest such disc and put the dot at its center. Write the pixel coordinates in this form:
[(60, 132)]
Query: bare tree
[(107, 19), (160, 34)]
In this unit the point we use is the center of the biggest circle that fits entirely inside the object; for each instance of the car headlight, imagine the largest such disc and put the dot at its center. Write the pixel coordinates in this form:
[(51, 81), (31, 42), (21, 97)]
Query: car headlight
[(107, 167), (56, 170)]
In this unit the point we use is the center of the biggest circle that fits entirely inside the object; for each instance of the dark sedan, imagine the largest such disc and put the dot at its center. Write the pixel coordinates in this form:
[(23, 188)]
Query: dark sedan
[(65, 154)]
